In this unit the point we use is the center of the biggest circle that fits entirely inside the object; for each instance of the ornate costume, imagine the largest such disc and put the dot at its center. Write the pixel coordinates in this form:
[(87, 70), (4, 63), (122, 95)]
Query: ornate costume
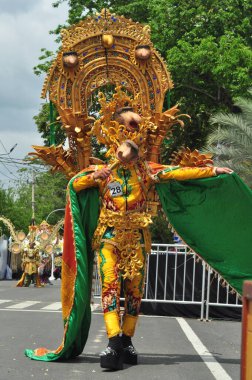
[(122, 238), (110, 205), (36, 249), (30, 264)]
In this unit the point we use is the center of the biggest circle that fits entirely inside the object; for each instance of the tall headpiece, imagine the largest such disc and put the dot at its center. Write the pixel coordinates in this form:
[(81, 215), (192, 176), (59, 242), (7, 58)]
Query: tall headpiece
[(99, 51)]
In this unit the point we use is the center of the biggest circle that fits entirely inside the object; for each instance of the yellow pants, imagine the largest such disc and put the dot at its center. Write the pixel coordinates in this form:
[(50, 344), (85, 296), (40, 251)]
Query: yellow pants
[(108, 261)]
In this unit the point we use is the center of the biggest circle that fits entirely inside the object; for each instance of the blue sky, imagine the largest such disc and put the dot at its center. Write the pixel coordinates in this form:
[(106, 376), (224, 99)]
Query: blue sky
[(24, 30)]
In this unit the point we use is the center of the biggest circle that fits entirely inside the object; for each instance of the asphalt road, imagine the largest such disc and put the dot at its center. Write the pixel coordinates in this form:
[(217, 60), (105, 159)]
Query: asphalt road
[(169, 348)]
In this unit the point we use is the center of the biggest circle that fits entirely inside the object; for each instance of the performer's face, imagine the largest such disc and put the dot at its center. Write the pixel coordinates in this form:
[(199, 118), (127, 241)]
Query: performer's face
[(130, 119), (127, 152)]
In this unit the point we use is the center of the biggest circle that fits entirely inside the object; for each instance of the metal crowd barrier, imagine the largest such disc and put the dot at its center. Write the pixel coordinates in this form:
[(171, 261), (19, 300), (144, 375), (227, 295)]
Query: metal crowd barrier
[(232, 298), (175, 275)]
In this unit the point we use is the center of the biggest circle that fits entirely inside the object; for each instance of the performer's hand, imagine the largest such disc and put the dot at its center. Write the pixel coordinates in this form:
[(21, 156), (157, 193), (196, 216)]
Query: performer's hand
[(102, 174), (223, 171)]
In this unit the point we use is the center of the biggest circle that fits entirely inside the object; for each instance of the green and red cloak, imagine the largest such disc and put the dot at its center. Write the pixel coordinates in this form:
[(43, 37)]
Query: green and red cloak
[(212, 215)]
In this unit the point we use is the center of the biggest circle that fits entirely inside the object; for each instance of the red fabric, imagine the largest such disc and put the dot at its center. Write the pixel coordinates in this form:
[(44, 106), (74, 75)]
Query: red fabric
[(69, 244)]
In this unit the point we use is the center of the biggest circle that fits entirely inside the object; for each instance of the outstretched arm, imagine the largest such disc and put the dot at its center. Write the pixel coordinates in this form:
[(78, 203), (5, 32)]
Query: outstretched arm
[(186, 173)]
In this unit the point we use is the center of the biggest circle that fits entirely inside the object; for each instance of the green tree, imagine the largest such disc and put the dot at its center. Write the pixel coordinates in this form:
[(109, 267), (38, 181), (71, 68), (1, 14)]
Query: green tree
[(231, 142), (46, 60), (50, 190), (42, 121), (209, 56), (160, 231)]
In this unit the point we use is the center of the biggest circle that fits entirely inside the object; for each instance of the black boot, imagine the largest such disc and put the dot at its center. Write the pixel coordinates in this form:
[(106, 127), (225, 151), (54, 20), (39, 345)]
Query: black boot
[(129, 351), (112, 356)]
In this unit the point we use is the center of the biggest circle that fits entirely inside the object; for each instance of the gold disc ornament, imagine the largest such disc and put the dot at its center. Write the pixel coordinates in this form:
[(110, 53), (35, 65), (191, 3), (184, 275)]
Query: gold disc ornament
[(15, 248), (44, 236), (49, 249), (21, 235)]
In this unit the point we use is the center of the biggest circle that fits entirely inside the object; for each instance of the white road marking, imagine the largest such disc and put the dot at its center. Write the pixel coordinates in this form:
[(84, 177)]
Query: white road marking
[(95, 306), (3, 301), (23, 305), (31, 311), (52, 306), (215, 368)]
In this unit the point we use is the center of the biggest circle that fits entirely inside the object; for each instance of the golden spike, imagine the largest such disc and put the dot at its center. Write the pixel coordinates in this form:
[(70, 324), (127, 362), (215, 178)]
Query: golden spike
[(186, 157)]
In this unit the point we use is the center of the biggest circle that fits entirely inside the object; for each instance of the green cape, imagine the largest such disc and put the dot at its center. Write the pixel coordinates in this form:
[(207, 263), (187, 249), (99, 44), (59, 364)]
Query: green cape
[(213, 216)]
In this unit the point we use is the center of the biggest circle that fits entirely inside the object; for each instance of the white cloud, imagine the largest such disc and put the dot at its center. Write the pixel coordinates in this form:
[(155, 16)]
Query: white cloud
[(24, 30), (18, 6)]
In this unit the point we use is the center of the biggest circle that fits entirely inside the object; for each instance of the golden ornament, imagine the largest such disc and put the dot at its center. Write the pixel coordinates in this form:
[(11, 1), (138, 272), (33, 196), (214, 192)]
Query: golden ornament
[(107, 40)]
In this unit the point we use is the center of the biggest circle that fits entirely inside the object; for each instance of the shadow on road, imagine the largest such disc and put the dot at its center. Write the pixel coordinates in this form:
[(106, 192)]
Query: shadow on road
[(149, 359)]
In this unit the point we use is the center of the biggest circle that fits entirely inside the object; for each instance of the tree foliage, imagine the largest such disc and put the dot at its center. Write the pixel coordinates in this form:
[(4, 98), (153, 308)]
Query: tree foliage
[(46, 60), (232, 141), (160, 232), (42, 120), (50, 193)]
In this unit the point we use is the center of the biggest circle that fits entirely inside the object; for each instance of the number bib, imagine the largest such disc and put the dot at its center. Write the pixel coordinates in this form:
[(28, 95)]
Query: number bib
[(115, 189)]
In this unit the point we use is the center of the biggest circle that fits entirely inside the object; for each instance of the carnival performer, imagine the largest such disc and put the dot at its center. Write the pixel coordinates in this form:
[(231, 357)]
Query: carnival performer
[(109, 209), (110, 204), (30, 265), (122, 239), (44, 269)]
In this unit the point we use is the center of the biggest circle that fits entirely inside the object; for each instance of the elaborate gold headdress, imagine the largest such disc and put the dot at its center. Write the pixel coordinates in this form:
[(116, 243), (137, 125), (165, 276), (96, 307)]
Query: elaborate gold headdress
[(110, 133), (107, 50)]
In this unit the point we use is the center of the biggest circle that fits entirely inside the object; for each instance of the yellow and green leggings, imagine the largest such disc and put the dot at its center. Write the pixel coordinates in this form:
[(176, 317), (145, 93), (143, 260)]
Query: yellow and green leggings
[(108, 260)]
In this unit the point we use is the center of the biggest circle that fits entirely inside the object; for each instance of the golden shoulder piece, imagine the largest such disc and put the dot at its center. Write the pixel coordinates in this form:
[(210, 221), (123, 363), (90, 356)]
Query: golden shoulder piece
[(186, 157)]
